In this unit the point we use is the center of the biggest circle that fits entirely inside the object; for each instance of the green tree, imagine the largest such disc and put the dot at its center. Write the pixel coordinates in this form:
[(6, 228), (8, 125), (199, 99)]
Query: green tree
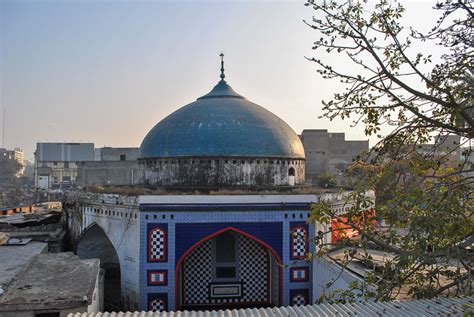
[(425, 194), (326, 180), (8, 170)]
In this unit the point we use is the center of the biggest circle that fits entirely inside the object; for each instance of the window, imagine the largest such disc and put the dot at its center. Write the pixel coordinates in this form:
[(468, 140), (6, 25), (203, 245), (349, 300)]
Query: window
[(66, 164), (291, 171), (123, 157), (225, 256)]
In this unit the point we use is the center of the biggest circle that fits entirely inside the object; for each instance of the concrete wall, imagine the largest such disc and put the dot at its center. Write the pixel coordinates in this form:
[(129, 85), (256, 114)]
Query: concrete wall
[(107, 173), (117, 153), (221, 172), (329, 152), (64, 152), (118, 217)]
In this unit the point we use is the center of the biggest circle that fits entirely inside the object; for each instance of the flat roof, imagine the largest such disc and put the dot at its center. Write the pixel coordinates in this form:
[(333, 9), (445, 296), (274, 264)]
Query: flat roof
[(59, 280), (14, 258)]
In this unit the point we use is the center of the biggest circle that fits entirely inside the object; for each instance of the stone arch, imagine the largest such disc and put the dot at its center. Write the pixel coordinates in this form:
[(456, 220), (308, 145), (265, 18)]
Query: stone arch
[(94, 243), (274, 273)]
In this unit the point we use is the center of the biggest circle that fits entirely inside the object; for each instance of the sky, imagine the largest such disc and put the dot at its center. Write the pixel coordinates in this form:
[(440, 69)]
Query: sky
[(107, 71)]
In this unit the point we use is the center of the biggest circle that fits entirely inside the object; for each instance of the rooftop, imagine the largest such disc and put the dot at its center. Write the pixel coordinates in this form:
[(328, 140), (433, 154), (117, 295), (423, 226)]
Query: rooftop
[(14, 258), (52, 280)]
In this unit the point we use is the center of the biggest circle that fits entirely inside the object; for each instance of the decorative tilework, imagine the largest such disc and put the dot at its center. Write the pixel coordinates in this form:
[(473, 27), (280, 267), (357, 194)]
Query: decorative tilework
[(298, 240), (157, 302), (254, 269), (299, 274), (188, 233), (157, 243), (299, 297), (197, 274), (158, 277)]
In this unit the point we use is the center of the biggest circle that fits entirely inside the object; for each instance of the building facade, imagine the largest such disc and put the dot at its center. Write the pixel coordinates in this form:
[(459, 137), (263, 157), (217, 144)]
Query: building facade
[(328, 152), (193, 251), (16, 154), (56, 163)]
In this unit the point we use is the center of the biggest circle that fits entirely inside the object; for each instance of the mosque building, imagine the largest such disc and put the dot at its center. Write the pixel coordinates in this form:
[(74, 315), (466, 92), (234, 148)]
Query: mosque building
[(185, 251)]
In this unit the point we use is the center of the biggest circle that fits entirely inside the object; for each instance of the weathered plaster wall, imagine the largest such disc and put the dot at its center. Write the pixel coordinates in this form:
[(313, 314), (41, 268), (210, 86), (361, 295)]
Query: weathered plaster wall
[(118, 217), (90, 173), (221, 171)]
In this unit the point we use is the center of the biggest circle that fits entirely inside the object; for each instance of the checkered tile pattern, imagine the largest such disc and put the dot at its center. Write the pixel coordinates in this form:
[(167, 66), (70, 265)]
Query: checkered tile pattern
[(197, 269), (157, 244), (253, 270), (157, 305), (198, 273), (299, 300), (299, 242)]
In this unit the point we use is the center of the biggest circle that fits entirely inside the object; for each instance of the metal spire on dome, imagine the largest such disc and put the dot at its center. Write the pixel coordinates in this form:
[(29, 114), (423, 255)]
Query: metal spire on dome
[(222, 66)]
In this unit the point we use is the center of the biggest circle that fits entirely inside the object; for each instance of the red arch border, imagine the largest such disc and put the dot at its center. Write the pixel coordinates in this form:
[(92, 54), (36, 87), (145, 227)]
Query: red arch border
[(195, 245)]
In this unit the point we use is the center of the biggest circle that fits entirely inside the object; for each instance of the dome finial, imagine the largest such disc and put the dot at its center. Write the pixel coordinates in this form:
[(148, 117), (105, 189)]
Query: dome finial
[(222, 66)]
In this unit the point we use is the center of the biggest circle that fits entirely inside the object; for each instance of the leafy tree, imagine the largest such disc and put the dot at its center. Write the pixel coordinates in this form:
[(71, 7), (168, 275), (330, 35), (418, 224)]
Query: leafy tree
[(8, 170), (326, 180), (425, 193)]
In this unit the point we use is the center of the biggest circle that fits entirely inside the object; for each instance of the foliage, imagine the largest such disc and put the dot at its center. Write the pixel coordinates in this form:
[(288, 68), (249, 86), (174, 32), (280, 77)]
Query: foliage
[(424, 193), (8, 170), (326, 180)]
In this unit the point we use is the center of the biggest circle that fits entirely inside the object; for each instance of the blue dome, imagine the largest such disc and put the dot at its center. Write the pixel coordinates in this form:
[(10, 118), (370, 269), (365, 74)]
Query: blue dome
[(222, 123)]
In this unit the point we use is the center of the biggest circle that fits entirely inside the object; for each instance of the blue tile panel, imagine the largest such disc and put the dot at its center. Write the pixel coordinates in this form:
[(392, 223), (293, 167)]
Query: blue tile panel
[(185, 228), (189, 233)]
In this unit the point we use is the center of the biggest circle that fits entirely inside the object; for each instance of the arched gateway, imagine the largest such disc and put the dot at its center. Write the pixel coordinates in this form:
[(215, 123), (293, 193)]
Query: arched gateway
[(228, 268), (92, 244)]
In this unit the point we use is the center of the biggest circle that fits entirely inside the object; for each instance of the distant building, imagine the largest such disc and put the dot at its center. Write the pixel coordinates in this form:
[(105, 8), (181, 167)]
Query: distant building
[(56, 163), (112, 166), (117, 154), (15, 154), (328, 152), (447, 146)]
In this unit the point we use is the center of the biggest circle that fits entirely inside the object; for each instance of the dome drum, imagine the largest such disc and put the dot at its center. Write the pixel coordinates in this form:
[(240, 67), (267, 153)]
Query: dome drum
[(188, 172)]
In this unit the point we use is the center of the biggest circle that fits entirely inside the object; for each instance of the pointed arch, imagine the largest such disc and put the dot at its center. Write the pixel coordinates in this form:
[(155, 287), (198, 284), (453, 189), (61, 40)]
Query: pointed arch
[(210, 236), (94, 243)]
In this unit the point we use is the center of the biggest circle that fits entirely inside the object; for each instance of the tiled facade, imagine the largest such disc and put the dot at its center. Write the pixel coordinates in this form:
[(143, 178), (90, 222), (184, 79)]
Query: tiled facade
[(179, 235)]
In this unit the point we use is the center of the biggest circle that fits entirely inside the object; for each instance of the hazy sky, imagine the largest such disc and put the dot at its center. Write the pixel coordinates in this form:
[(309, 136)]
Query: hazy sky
[(108, 71)]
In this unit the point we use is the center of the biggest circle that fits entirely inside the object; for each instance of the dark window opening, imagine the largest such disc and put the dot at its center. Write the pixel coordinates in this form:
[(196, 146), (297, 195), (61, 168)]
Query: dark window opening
[(225, 272), (225, 248), (291, 171), (123, 157)]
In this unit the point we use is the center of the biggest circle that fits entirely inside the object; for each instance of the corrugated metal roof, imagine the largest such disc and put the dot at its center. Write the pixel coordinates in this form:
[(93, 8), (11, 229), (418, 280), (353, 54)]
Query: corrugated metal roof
[(455, 306)]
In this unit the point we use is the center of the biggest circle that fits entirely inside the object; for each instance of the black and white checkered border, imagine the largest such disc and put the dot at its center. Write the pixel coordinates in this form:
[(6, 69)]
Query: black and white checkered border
[(299, 297), (157, 245), (197, 274), (253, 270), (298, 243), (157, 305)]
